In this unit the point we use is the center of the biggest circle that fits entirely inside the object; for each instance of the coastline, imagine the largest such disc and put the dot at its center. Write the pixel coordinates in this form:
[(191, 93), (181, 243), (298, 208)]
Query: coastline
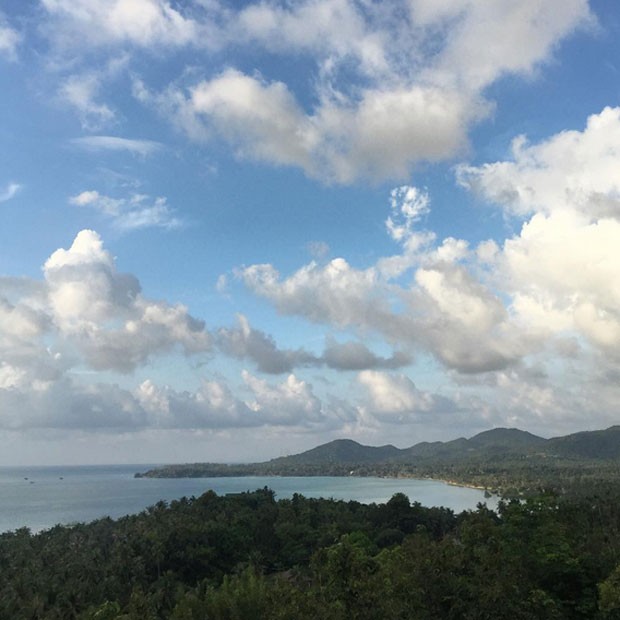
[(90, 493)]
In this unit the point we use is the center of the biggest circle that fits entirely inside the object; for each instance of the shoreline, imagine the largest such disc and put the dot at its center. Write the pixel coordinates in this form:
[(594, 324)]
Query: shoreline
[(351, 474)]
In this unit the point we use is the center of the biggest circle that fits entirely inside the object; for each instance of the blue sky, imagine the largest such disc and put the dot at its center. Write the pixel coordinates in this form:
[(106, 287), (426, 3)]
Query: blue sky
[(232, 231)]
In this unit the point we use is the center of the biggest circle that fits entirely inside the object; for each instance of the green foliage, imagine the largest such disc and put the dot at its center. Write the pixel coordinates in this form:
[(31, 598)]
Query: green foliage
[(609, 591), (248, 556)]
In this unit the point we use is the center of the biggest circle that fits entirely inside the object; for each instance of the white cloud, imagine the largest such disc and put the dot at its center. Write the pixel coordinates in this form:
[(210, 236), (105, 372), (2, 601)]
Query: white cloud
[(86, 317), (560, 270), (409, 204), (390, 85), (381, 135), (81, 93), (9, 39), (289, 402), (103, 313), (245, 342), (261, 120), (137, 211), (335, 293), (496, 306), (142, 23), (10, 191), (211, 406), (485, 40), (396, 399), (328, 28), (398, 84), (446, 311), (64, 404), (572, 170), (114, 143)]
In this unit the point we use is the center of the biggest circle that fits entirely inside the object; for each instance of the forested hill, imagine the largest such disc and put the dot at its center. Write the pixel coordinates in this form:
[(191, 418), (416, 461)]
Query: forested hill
[(342, 451), (497, 458)]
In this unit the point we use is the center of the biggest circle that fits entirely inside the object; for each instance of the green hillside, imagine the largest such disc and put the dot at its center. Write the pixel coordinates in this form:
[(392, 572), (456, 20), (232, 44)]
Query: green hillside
[(341, 451)]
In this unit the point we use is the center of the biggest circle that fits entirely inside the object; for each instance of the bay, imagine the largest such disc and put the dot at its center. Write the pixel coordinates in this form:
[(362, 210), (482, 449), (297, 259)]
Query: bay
[(41, 497)]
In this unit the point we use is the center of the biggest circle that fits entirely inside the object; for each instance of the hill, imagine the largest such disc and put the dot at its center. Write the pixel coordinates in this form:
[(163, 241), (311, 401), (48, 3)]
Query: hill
[(587, 444), (504, 455), (341, 451)]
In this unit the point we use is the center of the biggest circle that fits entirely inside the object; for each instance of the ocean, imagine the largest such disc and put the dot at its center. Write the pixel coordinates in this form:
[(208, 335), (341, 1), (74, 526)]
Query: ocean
[(41, 497)]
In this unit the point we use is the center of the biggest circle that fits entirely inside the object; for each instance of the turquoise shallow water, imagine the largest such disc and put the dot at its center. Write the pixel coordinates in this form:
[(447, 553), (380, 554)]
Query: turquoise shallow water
[(40, 497)]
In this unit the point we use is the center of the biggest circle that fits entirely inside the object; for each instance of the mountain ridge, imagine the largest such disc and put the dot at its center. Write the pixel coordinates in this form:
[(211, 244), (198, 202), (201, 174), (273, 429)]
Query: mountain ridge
[(597, 445), (490, 449)]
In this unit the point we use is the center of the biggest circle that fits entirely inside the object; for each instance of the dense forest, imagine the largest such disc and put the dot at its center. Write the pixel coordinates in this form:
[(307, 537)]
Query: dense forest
[(251, 557)]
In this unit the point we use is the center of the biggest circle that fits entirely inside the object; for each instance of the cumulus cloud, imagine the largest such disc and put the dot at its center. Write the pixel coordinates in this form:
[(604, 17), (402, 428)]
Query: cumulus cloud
[(397, 84), (289, 403), (390, 85), (103, 313), (245, 342), (447, 311), (559, 270), (211, 406), (65, 404), (571, 170), (261, 120), (335, 293), (142, 23), (335, 28), (137, 211), (487, 40), (396, 399), (292, 401), (357, 356), (380, 136), (464, 324), (9, 192), (115, 143), (494, 306), (63, 338)]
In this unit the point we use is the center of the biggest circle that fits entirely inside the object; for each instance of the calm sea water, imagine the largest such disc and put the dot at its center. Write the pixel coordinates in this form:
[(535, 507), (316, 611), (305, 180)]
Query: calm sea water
[(40, 497)]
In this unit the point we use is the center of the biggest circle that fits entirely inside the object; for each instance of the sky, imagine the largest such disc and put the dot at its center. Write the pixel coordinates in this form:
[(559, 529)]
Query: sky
[(231, 231)]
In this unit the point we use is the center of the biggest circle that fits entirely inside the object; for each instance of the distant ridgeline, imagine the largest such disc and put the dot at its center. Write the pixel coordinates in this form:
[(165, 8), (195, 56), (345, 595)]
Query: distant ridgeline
[(505, 459)]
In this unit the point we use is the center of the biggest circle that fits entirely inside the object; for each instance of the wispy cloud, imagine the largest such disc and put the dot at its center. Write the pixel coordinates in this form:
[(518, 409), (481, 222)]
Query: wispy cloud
[(9, 192), (114, 143), (136, 211), (81, 93), (9, 39)]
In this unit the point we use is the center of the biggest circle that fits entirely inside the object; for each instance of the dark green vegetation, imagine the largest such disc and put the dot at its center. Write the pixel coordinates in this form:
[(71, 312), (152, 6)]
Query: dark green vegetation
[(506, 460), (250, 557)]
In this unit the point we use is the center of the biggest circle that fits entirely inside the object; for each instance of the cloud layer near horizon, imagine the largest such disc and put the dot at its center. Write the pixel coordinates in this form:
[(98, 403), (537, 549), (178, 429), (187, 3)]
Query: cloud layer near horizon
[(86, 316)]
